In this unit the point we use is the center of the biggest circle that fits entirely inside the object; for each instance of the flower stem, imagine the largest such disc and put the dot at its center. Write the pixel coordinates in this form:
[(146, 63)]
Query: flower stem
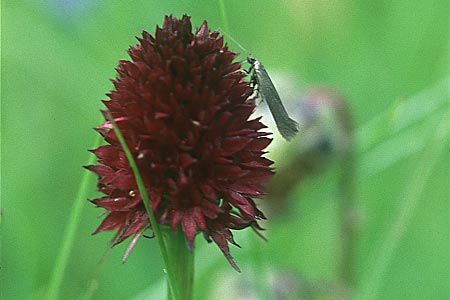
[(182, 263), (146, 200), (347, 205), (69, 235), (223, 15), (348, 222)]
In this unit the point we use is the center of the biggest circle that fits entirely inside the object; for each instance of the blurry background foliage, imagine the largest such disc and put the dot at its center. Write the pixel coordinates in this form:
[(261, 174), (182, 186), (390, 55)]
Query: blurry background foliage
[(388, 58)]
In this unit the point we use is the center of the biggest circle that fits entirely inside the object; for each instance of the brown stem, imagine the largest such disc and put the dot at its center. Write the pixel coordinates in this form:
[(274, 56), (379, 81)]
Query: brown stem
[(347, 222)]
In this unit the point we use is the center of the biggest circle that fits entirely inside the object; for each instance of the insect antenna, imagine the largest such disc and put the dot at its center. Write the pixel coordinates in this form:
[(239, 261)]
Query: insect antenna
[(234, 40)]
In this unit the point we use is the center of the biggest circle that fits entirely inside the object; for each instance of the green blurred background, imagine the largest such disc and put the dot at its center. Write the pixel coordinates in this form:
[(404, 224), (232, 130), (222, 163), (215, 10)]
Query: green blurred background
[(389, 58)]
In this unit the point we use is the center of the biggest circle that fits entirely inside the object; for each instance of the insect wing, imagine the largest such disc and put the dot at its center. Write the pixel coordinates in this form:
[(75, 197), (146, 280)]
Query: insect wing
[(287, 127)]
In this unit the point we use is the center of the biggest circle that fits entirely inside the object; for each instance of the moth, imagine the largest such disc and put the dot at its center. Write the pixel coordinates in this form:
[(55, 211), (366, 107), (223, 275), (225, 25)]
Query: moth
[(265, 91)]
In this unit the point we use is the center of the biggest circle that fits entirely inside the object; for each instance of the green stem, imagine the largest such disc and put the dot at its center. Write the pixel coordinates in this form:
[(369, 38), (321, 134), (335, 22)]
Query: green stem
[(69, 236), (182, 263), (223, 15), (410, 199), (146, 200), (347, 218), (347, 205)]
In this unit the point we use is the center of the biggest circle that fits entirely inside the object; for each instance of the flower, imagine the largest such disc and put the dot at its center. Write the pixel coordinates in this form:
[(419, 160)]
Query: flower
[(184, 109)]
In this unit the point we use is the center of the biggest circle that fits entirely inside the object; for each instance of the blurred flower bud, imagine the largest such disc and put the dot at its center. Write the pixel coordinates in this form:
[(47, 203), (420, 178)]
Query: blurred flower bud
[(324, 136)]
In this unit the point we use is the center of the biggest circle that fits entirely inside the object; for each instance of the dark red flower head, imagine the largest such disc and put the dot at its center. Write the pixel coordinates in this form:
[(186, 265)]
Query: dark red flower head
[(184, 109)]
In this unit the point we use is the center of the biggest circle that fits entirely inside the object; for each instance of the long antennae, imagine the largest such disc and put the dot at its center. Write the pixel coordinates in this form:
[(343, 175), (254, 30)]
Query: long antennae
[(233, 40)]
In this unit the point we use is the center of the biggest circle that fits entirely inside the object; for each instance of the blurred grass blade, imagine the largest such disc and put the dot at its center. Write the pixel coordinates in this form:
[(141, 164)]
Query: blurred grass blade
[(398, 147), (223, 15), (404, 126), (91, 288), (373, 280), (422, 105), (69, 235), (403, 114)]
